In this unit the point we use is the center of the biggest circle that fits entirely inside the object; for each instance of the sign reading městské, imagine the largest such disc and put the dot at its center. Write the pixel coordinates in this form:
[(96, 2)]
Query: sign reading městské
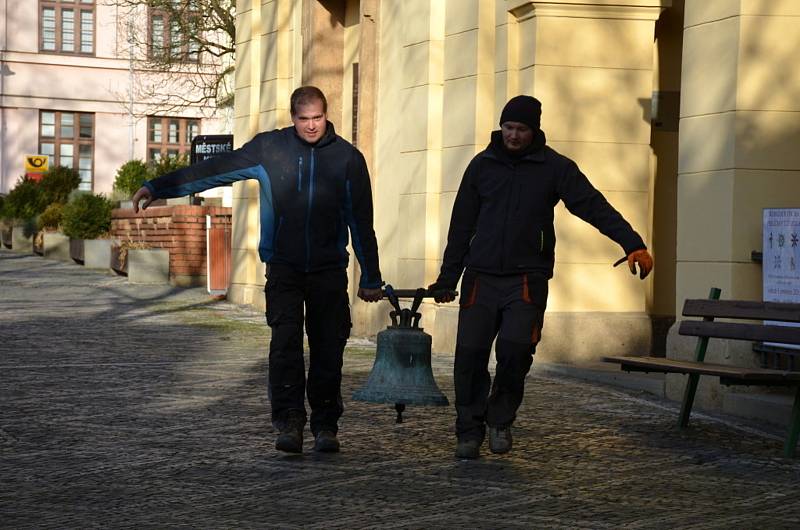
[(206, 146)]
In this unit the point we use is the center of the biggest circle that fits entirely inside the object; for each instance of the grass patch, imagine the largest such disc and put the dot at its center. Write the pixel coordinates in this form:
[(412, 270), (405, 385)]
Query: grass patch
[(210, 315), (360, 351)]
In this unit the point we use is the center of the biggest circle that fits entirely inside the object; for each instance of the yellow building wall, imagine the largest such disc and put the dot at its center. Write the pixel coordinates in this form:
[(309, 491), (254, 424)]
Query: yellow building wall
[(738, 142), (445, 69), (739, 137), (267, 60)]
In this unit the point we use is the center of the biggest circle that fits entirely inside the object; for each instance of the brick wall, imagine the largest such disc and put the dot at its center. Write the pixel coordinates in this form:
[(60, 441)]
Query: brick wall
[(181, 229)]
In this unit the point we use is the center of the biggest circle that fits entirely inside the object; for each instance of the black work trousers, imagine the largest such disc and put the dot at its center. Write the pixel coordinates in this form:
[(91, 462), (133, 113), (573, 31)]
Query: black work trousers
[(511, 309), (327, 321)]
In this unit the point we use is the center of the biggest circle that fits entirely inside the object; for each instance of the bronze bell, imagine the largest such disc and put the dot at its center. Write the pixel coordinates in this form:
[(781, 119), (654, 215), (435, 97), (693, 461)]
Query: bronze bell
[(402, 373)]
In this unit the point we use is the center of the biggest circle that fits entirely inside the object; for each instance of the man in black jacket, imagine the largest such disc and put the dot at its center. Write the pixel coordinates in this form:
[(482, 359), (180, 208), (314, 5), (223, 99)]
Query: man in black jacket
[(314, 187), (502, 232)]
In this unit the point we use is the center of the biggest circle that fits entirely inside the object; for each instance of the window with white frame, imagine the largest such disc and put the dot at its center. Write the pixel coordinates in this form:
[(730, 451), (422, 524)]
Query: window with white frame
[(68, 139)]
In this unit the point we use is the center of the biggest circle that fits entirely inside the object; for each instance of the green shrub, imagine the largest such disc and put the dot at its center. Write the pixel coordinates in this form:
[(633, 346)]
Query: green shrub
[(50, 219), (87, 216), (58, 182), (130, 177), (167, 164), (25, 201)]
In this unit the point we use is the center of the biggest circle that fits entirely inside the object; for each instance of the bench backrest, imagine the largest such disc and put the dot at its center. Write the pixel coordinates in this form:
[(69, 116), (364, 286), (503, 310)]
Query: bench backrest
[(743, 310)]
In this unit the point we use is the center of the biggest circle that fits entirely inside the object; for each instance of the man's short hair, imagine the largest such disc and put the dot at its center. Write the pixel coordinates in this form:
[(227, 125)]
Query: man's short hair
[(305, 95)]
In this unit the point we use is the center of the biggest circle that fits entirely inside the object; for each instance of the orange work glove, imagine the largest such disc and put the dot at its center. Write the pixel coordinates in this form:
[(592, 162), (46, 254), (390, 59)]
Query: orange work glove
[(643, 259)]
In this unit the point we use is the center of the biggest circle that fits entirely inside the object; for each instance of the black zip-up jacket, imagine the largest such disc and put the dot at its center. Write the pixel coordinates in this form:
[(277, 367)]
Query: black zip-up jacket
[(309, 194), (502, 221)]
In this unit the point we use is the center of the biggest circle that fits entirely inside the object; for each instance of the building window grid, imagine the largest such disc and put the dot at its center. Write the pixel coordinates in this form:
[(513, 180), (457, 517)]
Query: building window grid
[(62, 140), (67, 30), (170, 136), (58, 31), (87, 32), (165, 35), (48, 29)]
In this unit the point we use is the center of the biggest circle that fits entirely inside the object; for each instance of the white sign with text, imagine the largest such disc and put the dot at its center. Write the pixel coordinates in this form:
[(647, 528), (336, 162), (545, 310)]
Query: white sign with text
[(781, 257)]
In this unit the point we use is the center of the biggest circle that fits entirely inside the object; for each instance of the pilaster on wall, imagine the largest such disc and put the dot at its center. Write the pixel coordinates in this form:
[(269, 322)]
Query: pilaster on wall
[(740, 109), (506, 56), (369, 52), (278, 43), (590, 63), (468, 94), (469, 89), (420, 173), (323, 48), (739, 116), (266, 62)]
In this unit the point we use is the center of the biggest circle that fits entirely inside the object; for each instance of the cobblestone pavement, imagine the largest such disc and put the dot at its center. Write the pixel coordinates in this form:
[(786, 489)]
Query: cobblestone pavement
[(145, 407)]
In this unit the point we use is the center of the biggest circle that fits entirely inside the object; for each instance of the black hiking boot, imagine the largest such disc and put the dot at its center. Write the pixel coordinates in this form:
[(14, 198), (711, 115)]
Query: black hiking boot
[(326, 442), (500, 439), (470, 449), (290, 439)]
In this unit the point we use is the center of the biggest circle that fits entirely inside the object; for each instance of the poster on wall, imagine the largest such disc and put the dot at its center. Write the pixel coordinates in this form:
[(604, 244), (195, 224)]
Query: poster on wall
[(781, 262)]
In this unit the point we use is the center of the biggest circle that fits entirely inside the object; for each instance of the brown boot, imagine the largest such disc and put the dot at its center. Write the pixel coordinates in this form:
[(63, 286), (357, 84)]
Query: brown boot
[(290, 439), (500, 439), (469, 449), (326, 442)]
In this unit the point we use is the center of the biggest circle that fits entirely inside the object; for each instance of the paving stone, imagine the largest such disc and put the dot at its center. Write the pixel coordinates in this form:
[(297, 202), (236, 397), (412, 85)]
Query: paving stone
[(145, 406)]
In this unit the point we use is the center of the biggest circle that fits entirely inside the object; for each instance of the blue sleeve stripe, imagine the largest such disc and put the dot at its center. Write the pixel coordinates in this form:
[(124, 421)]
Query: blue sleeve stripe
[(212, 181), (266, 245), (351, 222)]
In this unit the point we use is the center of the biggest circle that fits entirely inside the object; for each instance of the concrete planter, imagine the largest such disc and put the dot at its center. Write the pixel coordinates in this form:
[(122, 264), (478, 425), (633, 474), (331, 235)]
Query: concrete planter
[(56, 246), (21, 240), (97, 253), (76, 250), (148, 266)]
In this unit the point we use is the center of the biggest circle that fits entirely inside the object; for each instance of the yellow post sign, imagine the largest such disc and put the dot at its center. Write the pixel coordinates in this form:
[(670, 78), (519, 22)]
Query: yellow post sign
[(36, 163)]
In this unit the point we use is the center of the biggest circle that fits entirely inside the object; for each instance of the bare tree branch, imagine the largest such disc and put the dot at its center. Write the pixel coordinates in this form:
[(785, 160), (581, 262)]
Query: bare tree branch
[(182, 51)]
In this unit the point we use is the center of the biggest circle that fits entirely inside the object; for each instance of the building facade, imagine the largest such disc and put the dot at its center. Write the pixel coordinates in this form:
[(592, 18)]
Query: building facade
[(72, 87), (684, 114)]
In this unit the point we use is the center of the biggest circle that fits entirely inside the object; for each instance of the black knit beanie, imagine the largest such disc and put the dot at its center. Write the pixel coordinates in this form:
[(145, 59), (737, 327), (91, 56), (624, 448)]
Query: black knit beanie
[(522, 109)]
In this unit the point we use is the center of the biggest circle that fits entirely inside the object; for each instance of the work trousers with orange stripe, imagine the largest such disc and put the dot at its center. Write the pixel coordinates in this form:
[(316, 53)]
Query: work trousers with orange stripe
[(511, 309)]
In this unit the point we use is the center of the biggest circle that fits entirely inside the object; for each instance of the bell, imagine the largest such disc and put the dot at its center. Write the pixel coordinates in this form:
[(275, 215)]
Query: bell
[(402, 372)]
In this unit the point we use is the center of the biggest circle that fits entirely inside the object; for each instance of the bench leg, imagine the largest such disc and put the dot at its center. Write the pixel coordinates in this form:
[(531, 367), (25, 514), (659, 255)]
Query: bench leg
[(794, 428), (688, 400), (699, 356)]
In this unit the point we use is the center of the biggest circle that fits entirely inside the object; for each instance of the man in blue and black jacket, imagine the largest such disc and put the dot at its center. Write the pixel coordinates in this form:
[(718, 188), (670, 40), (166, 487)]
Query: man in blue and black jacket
[(501, 235), (314, 187)]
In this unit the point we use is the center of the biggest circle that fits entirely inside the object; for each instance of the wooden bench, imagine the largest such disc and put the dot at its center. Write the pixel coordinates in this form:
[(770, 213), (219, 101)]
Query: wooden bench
[(707, 328)]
